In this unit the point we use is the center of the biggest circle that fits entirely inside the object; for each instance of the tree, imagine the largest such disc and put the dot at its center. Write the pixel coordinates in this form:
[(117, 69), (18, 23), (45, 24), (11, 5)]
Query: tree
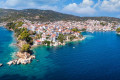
[(103, 23), (72, 37), (61, 38), (83, 29), (10, 25), (19, 23), (24, 35), (30, 40), (118, 29), (18, 31), (47, 42), (75, 30), (25, 48)]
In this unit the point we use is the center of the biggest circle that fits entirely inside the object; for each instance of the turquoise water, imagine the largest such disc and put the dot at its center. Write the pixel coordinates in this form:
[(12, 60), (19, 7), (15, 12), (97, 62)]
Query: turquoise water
[(95, 58)]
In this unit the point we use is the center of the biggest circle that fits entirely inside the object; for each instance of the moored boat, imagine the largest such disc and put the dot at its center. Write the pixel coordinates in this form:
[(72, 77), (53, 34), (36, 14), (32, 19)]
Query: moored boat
[(1, 64)]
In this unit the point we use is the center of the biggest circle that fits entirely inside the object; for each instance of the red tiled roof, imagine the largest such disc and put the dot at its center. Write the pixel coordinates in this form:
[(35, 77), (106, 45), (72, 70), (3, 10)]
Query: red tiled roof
[(53, 35), (38, 40)]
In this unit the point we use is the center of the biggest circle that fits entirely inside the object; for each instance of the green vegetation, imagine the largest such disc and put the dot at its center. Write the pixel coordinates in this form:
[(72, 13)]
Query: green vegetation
[(21, 34), (47, 42), (61, 38), (18, 31), (11, 25), (24, 35), (72, 37), (83, 29), (25, 48), (19, 24), (7, 15), (118, 30), (14, 26), (103, 23), (75, 30)]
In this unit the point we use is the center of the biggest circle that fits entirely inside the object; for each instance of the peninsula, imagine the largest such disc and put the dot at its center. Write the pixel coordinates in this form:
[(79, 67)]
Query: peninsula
[(30, 34)]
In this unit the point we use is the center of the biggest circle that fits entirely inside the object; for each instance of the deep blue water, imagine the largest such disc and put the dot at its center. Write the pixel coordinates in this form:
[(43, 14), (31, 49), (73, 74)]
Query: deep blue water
[(95, 58)]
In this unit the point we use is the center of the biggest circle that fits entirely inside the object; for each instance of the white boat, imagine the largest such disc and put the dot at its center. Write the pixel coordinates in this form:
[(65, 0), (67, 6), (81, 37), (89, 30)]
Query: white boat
[(73, 47), (1, 64)]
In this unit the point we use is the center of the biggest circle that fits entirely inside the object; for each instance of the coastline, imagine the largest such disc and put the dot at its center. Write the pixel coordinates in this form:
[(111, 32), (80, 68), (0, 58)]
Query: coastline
[(13, 44), (18, 59), (66, 42)]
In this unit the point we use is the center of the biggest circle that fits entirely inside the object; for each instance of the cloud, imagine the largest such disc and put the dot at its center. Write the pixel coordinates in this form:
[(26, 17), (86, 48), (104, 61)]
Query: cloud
[(97, 4), (24, 4), (110, 5), (85, 7)]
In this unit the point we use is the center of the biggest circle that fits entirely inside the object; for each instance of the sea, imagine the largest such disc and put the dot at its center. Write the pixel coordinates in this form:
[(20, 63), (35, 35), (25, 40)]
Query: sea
[(95, 58)]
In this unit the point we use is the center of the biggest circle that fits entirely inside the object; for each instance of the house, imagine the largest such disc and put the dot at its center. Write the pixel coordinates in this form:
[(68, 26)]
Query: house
[(37, 42), (53, 38), (43, 37), (32, 28)]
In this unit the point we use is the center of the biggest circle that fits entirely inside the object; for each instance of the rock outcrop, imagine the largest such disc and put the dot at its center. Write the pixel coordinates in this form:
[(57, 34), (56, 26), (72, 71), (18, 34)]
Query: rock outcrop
[(22, 60)]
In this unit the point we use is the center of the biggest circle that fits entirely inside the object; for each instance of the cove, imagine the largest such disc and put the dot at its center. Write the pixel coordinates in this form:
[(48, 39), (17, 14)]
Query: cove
[(95, 58)]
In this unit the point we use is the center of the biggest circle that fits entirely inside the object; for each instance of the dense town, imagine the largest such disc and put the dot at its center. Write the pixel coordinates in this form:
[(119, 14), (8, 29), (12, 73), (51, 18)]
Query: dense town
[(50, 31)]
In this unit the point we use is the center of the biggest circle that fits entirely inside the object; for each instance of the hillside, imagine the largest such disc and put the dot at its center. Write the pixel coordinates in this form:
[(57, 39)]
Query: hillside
[(44, 15)]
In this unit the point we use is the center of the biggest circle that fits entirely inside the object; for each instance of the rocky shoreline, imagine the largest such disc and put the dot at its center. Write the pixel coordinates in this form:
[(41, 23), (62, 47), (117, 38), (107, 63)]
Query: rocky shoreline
[(23, 57), (26, 60)]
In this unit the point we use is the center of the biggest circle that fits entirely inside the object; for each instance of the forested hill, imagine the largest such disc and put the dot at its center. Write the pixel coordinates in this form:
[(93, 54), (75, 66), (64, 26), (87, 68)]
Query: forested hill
[(44, 15)]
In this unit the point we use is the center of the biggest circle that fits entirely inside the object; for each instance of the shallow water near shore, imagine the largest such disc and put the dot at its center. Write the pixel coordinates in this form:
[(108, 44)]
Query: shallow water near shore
[(95, 58)]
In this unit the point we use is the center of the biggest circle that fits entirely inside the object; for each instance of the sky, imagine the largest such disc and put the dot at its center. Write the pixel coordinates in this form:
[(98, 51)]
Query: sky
[(81, 8)]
